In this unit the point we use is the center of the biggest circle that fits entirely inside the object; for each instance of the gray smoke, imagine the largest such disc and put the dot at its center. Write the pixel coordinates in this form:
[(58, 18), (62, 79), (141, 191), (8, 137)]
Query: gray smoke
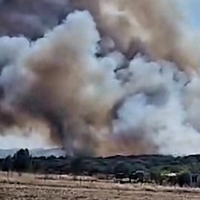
[(107, 80), (154, 28), (31, 18)]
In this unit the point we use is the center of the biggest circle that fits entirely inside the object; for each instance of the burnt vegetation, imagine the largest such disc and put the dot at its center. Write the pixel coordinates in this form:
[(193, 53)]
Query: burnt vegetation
[(158, 169)]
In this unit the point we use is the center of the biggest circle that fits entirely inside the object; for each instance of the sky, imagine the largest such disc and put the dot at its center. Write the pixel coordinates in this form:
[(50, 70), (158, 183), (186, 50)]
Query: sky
[(191, 9), (32, 140)]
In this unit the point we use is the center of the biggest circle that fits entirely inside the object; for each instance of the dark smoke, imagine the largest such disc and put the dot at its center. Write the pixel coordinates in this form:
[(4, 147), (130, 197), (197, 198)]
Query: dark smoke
[(31, 18)]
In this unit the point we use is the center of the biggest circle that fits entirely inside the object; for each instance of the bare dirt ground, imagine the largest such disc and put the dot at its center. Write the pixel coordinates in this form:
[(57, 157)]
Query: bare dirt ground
[(55, 187)]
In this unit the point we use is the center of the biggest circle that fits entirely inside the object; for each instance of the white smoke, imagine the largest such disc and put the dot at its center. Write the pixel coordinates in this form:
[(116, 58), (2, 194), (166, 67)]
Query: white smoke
[(162, 108)]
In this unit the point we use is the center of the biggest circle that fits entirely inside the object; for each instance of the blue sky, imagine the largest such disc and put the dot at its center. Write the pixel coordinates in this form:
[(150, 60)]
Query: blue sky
[(191, 8)]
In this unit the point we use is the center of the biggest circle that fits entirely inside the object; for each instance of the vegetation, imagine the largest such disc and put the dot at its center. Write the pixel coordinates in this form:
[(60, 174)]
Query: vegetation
[(155, 165)]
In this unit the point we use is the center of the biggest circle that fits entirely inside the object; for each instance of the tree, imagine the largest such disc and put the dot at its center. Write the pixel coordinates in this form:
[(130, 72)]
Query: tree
[(76, 166), (123, 167), (21, 160), (34, 166), (7, 165)]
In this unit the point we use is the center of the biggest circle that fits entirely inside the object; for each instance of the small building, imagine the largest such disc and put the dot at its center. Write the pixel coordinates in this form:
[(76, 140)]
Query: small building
[(195, 180)]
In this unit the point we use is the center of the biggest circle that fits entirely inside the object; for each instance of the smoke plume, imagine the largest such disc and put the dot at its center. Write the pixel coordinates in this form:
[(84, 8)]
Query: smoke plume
[(102, 78), (151, 28), (31, 18)]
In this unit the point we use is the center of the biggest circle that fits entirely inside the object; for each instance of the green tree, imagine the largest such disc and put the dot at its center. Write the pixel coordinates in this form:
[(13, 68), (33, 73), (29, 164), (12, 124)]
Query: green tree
[(76, 166), (123, 167), (21, 161), (7, 165)]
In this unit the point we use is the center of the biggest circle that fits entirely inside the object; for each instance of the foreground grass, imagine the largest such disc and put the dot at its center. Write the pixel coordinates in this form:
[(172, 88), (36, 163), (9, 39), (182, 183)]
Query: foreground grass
[(28, 186)]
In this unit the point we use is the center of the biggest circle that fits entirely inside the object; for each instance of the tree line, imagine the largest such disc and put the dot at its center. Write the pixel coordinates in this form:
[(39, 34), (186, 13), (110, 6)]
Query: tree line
[(156, 165)]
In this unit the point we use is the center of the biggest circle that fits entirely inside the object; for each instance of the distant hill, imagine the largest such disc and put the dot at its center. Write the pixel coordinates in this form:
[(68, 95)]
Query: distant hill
[(34, 152)]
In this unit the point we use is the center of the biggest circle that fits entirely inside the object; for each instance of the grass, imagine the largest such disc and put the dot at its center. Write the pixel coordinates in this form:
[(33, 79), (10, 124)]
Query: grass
[(52, 187)]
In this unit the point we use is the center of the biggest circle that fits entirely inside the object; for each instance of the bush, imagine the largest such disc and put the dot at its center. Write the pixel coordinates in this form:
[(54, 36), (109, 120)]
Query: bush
[(7, 164)]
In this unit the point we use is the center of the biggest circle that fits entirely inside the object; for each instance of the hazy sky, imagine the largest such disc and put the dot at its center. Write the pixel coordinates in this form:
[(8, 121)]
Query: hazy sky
[(31, 141), (13, 141), (191, 9)]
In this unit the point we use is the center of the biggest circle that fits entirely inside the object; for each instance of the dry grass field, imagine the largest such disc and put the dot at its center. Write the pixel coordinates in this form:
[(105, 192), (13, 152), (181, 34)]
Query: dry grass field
[(54, 187)]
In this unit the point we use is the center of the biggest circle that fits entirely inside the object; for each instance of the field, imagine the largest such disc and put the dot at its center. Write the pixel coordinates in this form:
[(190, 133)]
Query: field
[(58, 188)]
